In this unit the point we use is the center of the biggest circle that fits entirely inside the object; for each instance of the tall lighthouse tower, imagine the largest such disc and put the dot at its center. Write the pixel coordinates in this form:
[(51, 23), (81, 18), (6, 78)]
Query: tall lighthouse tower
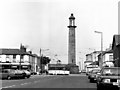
[(72, 45)]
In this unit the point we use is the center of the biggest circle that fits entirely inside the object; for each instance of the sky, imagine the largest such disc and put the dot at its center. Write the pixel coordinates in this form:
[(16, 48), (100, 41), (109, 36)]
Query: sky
[(43, 24)]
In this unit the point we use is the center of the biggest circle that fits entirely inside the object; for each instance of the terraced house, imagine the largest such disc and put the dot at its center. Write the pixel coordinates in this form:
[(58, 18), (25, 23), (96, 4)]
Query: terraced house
[(18, 59)]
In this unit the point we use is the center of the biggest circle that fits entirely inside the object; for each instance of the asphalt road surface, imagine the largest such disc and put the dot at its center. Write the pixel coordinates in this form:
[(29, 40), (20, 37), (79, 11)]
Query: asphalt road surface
[(50, 81)]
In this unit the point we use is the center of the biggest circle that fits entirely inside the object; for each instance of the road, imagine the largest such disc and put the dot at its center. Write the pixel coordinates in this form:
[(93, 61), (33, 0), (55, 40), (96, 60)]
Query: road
[(50, 81)]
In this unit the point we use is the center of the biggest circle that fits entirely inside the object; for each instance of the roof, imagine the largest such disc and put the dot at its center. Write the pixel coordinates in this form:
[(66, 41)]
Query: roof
[(88, 54), (101, 53), (96, 51), (116, 40), (35, 55), (57, 65), (110, 51), (12, 52), (87, 61), (111, 67)]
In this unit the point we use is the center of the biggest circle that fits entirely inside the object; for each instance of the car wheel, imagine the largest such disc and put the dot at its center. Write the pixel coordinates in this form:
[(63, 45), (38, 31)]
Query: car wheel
[(8, 77), (100, 87), (88, 77), (28, 76), (91, 80)]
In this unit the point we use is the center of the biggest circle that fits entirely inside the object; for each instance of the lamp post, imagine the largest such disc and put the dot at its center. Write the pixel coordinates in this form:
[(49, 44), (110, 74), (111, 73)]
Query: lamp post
[(101, 39), (101, 42)]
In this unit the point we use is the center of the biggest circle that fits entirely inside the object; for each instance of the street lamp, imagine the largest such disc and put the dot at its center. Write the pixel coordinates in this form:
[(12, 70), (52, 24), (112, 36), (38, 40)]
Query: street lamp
[(101, 42), (101, 39)]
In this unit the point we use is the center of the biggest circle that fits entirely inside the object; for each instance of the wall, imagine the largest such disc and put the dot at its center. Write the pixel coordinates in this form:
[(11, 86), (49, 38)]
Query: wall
[(3, 57), (95, 56)]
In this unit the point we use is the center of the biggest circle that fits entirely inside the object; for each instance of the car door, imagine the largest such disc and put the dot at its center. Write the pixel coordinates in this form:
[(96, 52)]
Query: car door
[(5, 73), (1, 73)]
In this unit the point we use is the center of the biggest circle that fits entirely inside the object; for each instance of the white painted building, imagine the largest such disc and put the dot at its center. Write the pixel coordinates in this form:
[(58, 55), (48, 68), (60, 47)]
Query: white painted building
[(14, 58), (95, 55), (107, 58)]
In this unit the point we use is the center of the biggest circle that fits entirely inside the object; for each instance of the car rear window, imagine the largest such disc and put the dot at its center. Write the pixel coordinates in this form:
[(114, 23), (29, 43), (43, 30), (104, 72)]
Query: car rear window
[(95, 71), (111, 71)]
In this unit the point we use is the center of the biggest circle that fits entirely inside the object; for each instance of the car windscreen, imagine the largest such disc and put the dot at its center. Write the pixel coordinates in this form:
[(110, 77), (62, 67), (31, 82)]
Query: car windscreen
[(95, 71), (111, 71)]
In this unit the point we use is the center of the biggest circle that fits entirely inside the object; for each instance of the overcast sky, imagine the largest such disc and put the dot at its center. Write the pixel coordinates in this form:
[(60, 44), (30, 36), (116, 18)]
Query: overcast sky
[(43, 24)]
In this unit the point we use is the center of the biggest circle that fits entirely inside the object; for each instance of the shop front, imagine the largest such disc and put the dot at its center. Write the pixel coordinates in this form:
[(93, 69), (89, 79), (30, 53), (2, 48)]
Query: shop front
[(15, 66)]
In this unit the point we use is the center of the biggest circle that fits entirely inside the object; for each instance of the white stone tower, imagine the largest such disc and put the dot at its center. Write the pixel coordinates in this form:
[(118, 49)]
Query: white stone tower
[(72, 45)]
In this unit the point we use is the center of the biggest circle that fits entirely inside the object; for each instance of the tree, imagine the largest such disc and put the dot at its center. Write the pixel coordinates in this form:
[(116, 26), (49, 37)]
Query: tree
[(45, 60)]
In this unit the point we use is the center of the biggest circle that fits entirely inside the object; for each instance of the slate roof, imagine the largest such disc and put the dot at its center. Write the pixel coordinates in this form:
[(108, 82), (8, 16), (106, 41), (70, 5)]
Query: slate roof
[(87, 61), (57, 65), (12, 52)]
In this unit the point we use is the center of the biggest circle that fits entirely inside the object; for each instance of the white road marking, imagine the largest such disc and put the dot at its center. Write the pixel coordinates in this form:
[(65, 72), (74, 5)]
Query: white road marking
[(25, 83), (32, 82), (36, 81), (9, 86), (48, 79)]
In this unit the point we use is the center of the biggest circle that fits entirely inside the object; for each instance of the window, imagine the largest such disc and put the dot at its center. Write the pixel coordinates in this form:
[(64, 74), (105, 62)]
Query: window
[(110, 57), (7, 59), (7, 56), (14, 58), (0, 59)]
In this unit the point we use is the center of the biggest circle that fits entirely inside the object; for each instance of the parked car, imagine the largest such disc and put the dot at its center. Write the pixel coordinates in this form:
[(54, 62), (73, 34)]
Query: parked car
[(19, 74), (33, 73), (26, 73), (88, 74), (83, 71), (109, 78), (10, 73), (93, 74)]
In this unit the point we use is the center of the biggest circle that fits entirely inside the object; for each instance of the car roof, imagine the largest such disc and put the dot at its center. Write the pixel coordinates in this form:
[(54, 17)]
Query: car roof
[(111, 68), (8, 69)]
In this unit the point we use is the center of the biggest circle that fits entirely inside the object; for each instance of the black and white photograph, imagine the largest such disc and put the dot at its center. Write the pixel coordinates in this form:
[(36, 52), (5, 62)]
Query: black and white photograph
[(60, 44)]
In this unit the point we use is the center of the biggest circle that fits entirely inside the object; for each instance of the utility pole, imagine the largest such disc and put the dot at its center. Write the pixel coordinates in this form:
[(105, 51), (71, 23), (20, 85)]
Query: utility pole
[(40, 61), (20, 63)]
